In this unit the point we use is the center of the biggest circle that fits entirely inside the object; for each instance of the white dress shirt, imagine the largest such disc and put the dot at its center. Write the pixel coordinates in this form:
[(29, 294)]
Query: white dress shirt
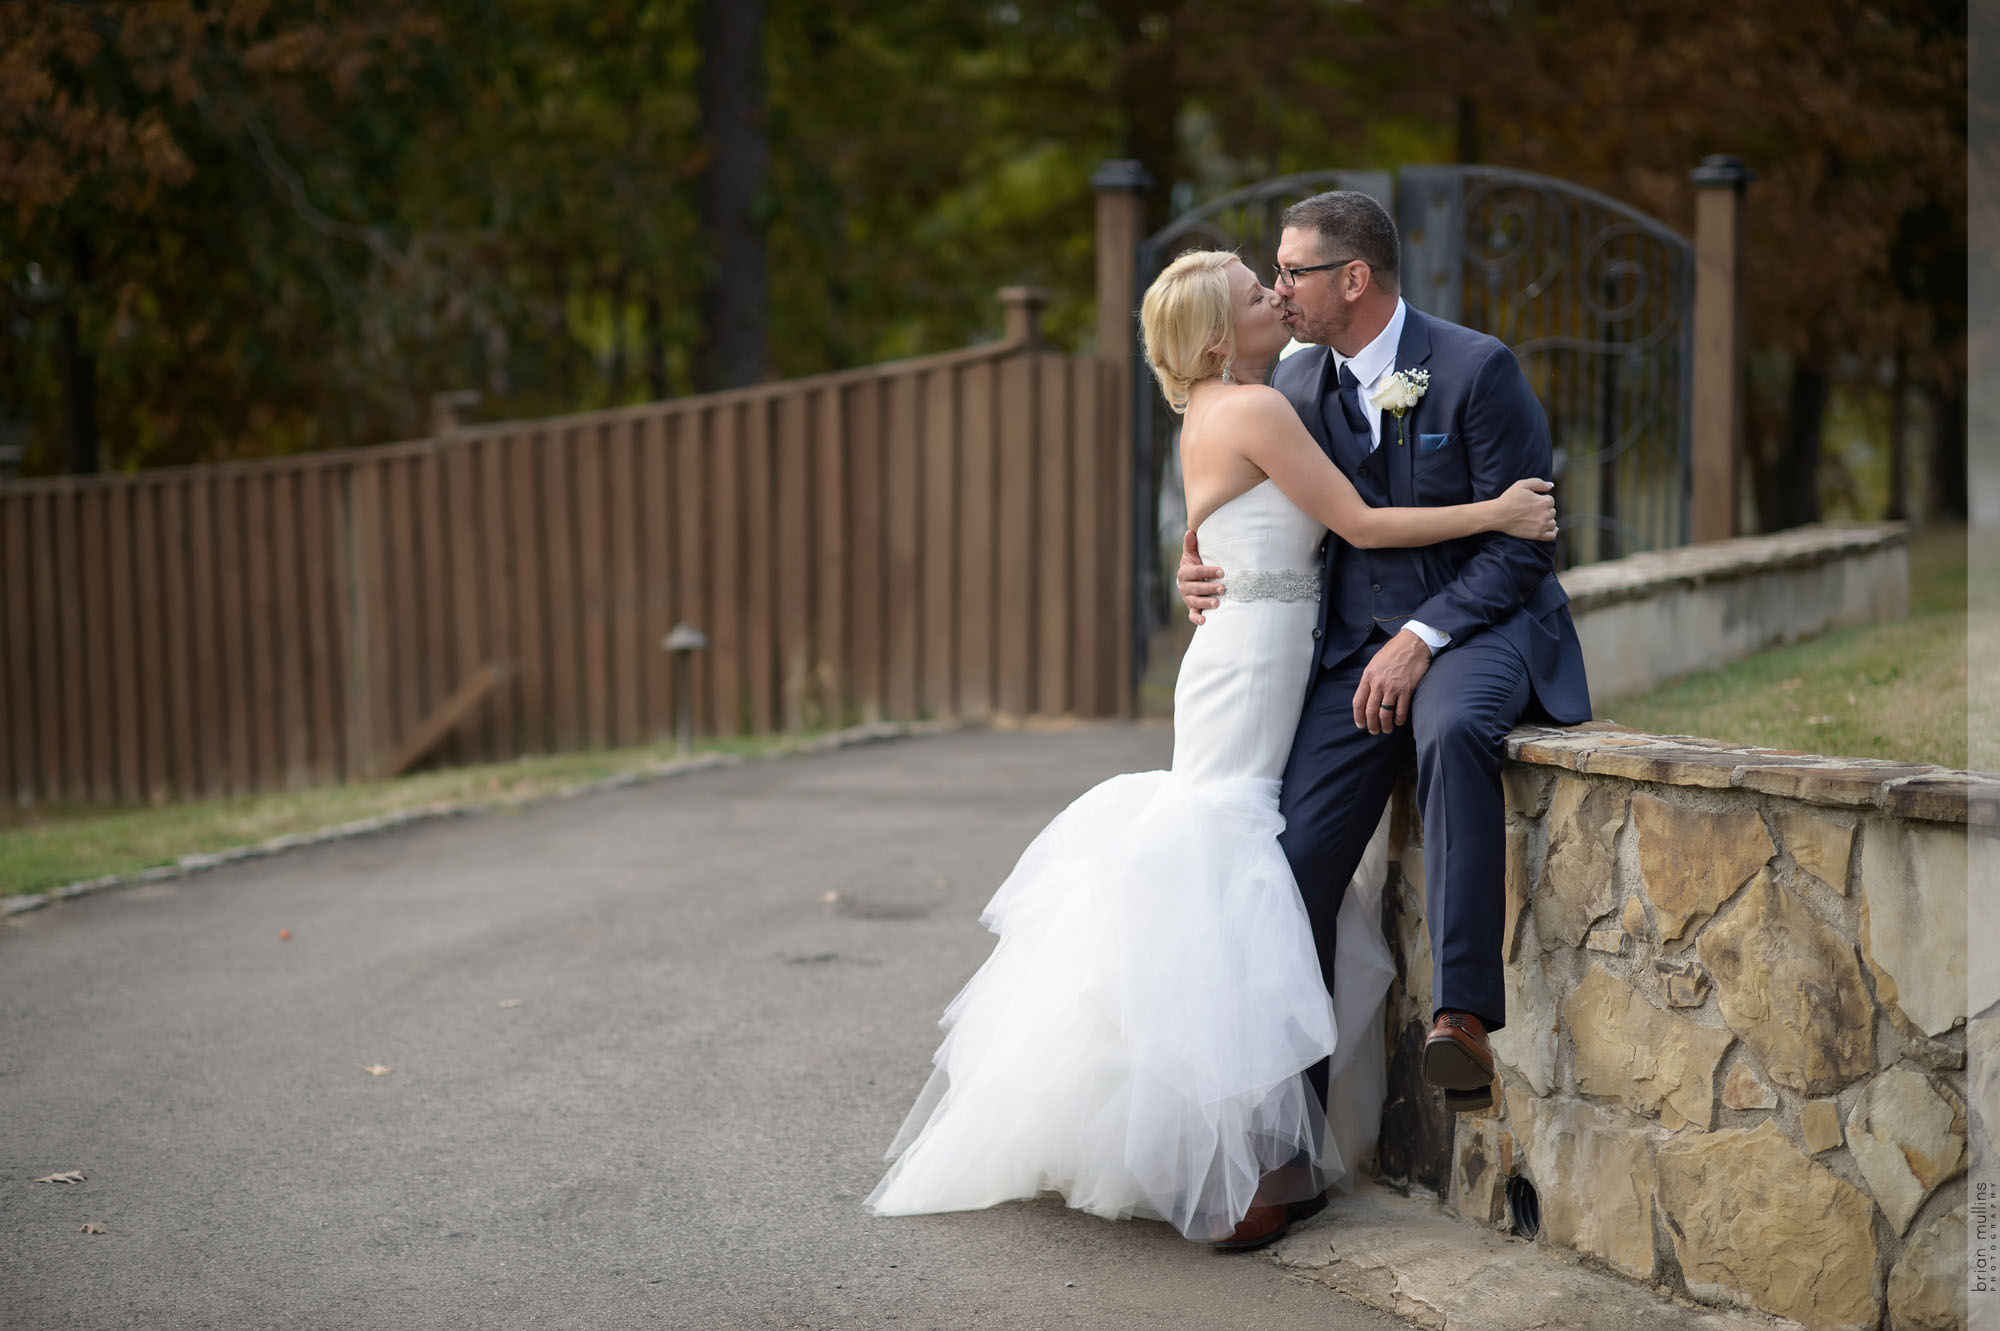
[(1372, 364)]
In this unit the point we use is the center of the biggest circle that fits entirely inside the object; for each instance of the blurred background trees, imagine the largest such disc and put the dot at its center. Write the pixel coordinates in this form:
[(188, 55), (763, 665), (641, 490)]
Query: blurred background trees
[(248, 227)]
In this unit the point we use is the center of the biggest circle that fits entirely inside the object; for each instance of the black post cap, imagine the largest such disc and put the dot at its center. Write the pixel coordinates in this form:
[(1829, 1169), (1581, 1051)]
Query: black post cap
[(1722, 169), (1124, 173)]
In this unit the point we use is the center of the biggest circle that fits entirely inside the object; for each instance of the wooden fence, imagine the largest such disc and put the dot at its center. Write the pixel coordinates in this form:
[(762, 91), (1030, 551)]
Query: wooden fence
[(935, 537)]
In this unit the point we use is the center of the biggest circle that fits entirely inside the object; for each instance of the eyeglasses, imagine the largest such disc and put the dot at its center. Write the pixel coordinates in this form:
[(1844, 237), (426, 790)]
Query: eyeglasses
[(1289, 277)]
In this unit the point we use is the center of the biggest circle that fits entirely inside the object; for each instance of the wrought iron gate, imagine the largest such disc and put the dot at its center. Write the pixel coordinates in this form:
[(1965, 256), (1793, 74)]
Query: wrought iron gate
[(1594, 297)]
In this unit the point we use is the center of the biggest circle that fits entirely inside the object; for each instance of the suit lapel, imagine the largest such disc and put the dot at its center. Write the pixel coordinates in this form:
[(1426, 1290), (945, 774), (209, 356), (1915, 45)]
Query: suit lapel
[(1413, 349), (1307, 391)]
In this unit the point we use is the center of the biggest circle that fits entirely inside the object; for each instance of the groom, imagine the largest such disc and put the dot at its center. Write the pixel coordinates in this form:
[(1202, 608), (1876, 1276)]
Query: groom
[(1441, 649)]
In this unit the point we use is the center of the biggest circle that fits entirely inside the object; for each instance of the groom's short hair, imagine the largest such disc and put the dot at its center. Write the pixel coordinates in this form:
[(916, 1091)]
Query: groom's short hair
[(1353, 225)]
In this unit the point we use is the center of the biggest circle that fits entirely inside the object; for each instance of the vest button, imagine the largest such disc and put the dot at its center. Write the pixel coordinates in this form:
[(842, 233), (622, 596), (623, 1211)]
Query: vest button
[(1378, 587), (1316, 634)]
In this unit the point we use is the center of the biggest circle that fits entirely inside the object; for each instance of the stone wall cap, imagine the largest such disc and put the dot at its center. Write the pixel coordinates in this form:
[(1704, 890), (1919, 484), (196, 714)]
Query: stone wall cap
[(1904, 790), (1648, 572)]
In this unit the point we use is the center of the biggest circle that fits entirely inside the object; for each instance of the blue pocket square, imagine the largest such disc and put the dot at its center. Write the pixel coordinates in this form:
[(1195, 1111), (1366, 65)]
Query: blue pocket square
[(1431, 443)]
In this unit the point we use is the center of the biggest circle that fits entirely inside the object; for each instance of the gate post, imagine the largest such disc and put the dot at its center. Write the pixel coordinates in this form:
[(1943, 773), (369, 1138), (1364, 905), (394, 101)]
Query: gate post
[(1719, 348), (1121, 220)]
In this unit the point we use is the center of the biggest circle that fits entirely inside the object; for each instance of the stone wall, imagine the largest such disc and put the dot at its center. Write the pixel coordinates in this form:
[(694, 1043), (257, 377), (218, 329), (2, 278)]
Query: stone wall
[(1648, 617), (1734, 1059)]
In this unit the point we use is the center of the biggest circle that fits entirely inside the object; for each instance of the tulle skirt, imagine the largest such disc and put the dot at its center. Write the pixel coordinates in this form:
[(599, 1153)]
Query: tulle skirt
[(1136, 1040)]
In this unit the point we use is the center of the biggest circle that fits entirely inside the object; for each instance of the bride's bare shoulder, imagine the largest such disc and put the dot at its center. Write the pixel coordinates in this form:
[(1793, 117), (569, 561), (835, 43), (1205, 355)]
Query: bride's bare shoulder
[(1253, 402), (1257, 412)]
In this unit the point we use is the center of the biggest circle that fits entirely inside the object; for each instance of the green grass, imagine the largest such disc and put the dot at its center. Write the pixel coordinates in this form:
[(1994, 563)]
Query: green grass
[(53, 845), (1895, 690)]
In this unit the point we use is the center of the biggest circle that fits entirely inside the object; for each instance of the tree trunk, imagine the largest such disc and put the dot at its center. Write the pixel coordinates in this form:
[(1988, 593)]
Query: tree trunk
[(656, 347), (563, 347), (1468, 130), (1145, 84), (79, 367), (620, 283), (1948, 479), (1798, 469), (1898, 507), (733, 300)]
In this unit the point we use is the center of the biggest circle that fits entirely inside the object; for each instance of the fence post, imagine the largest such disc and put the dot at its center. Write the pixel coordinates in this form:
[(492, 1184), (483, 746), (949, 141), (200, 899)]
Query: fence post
[(448, 409), (1121, 220), (1023, 307), (1718, 345)]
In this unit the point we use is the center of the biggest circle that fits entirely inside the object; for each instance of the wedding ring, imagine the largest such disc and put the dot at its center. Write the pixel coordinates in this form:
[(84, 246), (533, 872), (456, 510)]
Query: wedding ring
[(1388, 707)]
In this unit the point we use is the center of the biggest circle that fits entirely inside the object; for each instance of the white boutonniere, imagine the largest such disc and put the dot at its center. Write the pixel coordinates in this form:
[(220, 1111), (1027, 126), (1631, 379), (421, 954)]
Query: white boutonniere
[(1401, 391)]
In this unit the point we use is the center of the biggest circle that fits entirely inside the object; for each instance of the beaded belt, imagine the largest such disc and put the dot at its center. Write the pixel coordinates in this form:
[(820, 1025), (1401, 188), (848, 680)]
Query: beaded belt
[(1272, 584)]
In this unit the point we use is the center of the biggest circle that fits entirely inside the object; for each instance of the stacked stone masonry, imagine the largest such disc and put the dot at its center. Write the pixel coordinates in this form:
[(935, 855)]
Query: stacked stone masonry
[(1735, 1051)]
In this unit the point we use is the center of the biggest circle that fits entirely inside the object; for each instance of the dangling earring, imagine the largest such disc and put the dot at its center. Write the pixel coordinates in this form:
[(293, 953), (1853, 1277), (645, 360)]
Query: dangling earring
[(1227, 377)]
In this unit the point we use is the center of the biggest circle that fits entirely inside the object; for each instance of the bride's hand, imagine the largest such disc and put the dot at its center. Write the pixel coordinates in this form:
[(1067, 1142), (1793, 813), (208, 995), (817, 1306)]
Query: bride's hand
[(1526, 510)]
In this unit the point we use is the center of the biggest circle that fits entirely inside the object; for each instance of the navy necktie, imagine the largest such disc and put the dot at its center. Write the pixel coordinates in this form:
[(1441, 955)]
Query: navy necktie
[(1350, 404)]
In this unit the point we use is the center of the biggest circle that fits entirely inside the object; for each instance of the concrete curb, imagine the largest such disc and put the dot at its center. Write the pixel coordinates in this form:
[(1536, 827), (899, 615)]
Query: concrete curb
[(189, 865)]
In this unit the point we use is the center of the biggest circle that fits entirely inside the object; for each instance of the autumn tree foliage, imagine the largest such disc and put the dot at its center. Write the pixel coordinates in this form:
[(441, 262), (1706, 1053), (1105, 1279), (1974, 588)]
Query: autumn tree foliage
[(1853, 115), (174, 281), (253, 226)]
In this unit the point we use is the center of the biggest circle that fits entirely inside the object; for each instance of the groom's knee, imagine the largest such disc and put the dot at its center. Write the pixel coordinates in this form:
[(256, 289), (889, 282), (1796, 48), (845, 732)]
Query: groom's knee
[(1452, 727)]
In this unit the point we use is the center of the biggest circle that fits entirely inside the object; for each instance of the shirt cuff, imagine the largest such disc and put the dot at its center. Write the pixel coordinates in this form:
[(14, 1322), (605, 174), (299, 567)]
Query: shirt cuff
[(1433, 639)]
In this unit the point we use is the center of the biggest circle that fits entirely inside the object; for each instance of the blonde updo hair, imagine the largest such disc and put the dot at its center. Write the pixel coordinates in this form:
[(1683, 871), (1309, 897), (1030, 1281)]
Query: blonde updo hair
[(1187, 322)]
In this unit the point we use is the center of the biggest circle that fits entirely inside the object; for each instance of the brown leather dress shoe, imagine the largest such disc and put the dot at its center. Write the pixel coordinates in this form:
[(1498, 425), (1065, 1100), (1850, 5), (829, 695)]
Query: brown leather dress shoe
[(1457, 1056), (1277, 1205), (1264, 1224), (1261, 1225)]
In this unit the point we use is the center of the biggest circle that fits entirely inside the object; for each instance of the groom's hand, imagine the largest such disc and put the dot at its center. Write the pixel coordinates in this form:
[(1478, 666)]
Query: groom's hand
[(1201, 584), (1382, 699)]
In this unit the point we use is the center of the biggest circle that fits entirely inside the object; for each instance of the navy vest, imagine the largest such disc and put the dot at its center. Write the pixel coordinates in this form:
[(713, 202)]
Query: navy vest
[(1367, 588)]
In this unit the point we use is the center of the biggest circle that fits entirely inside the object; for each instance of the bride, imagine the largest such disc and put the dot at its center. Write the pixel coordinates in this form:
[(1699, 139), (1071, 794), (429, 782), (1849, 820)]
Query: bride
[(1137, 1038)]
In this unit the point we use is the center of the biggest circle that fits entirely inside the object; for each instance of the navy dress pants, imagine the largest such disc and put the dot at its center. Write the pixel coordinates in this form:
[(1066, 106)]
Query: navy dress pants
[(1338, 780)]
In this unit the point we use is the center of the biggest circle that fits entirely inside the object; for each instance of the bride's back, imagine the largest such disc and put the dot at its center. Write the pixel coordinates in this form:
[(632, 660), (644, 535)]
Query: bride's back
[(1259, 529)]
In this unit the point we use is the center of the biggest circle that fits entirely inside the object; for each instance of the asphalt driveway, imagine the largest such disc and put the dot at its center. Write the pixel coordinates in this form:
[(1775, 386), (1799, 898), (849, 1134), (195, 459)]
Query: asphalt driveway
[(642, 1070)]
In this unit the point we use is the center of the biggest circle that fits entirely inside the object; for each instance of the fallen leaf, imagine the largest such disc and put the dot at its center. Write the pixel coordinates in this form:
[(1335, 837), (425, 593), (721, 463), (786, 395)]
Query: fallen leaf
[(377, 1070), (1819, 720), (92, 1227), (67, 1176), (284, 935), (510, 1002), (1796, 682)]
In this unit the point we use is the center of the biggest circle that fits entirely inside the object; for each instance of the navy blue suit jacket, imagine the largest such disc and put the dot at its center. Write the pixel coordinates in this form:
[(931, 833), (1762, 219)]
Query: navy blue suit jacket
[(1477, 430)]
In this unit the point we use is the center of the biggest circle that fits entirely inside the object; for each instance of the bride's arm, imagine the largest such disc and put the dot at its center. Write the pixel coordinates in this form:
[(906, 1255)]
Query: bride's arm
[(1274, 439)]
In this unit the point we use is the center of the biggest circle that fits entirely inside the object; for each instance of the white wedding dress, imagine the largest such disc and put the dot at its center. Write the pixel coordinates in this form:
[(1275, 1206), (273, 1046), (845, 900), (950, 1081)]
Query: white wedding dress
[(1135, 1041)]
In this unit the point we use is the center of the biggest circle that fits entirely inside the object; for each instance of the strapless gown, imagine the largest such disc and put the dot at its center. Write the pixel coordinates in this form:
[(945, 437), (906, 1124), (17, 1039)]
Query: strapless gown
[(1136, 1040)]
